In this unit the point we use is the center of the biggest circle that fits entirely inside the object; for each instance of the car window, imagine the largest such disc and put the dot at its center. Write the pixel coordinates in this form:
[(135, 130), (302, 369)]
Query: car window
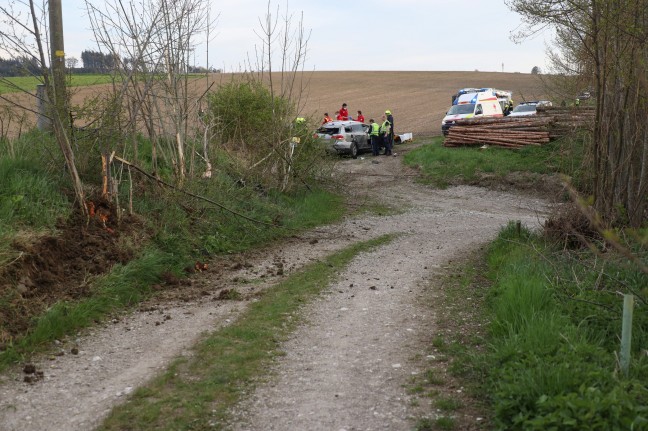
[(524, 108), (328, 130), (462, 109), (347, 129), (357, 128)]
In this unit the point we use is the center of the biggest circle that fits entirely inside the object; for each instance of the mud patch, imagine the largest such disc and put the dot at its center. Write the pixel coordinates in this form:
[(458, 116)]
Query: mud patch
[(59, 267)]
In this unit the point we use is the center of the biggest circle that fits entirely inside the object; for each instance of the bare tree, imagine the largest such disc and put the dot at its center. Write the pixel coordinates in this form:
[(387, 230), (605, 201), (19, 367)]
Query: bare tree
[(605, 43), (71, 62), (153, 39)]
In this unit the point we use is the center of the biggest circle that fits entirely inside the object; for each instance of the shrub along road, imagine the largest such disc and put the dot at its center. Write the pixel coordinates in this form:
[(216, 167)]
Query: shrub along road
[(347, 366)]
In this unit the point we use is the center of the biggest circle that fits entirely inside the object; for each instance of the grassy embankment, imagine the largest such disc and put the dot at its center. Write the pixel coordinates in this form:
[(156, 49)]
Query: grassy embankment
[(174, 230), (546, 356)]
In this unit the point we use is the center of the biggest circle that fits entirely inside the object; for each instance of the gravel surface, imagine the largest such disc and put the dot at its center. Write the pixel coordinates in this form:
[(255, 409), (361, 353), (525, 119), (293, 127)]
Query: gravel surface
[(346, 368)]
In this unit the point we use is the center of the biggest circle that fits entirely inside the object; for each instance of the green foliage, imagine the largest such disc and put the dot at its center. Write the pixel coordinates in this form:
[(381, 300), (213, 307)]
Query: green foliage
[(272, 150), (552, 361), (592, 409), (247, 112), (28, 196)]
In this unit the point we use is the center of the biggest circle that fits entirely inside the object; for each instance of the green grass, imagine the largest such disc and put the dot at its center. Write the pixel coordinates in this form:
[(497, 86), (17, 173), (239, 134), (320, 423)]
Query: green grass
[(447, 404), (177, 230), (196, 392), (442, 166), (547, 354), (178, 241), (30, 198), (28, 83), (552, 358)]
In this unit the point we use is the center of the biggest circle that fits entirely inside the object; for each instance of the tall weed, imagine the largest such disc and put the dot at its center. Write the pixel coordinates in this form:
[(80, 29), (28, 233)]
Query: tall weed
[(550, 367)]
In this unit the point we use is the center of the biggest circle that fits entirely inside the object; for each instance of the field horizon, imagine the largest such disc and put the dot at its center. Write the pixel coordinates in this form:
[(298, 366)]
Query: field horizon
[(418, 100)]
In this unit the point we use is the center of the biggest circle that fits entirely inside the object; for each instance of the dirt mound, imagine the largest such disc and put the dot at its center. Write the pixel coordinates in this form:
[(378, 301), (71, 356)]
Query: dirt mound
[(58, 267)]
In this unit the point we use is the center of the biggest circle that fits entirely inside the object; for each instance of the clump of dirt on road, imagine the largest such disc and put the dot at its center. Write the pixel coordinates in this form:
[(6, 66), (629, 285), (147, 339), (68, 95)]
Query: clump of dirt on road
[(58, 266)]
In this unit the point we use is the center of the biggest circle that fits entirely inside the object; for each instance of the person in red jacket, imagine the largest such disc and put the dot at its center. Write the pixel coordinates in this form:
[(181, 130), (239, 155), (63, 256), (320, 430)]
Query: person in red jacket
[(339, 116), (327, 119), (344, 112), (360, 117)]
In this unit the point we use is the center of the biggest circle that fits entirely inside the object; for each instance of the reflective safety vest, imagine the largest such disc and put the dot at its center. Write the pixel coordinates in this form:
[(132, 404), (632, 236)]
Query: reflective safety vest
[(386, 127), (375, 129)]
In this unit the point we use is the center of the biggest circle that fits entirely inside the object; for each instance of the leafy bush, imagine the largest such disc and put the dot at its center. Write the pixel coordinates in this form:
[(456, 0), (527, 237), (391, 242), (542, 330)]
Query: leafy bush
[(271, 148)]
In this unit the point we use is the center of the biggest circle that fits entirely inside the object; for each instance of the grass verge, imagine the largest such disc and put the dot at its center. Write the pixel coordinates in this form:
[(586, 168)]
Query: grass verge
[(196, 392), (554, 317), (553, 361), (443, 166), (531, 333), (123, 287), (448, 383), (169, 232)]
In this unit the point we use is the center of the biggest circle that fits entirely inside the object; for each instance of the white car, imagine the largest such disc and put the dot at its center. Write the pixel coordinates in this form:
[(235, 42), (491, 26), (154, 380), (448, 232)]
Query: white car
[(528, 108), (345, 137)]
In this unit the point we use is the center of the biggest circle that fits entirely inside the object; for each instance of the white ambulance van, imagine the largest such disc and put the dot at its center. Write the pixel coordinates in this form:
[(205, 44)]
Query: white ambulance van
[(487, 102)]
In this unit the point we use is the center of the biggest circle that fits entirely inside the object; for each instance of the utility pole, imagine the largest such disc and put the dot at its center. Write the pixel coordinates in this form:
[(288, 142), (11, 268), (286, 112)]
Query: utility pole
[(60, 115), (57, 60)]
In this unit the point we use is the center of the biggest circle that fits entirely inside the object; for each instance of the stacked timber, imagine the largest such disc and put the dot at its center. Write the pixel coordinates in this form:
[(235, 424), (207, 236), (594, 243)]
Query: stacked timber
[(566, 120), (516, 132)]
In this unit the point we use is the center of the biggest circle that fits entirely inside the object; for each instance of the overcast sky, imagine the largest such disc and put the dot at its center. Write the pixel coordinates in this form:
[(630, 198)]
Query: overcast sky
[(426, 35)]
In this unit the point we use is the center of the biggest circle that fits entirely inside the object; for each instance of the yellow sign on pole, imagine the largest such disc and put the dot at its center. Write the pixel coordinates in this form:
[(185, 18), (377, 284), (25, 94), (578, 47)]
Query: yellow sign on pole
[(59, 53)]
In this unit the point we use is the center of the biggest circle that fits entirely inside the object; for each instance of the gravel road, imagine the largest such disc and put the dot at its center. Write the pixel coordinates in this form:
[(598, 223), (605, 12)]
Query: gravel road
[(347, 368)]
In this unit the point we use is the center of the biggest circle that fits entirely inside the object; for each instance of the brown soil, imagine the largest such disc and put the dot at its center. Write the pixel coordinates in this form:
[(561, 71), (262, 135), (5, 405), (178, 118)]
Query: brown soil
[(56, 268)]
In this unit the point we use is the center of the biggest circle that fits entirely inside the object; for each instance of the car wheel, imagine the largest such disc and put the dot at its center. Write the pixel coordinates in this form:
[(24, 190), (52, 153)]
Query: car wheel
[(354, 150)]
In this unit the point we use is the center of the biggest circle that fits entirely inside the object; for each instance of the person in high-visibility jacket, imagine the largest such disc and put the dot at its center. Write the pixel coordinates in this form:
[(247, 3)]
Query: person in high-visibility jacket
[(386, 134), (374, 136)]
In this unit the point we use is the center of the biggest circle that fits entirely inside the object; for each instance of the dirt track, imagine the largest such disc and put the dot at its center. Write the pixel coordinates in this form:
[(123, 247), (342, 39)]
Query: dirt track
[(346, 369)]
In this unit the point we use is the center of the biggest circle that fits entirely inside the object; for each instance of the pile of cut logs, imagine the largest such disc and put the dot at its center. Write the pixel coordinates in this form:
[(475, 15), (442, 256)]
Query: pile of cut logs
[(515, 132)]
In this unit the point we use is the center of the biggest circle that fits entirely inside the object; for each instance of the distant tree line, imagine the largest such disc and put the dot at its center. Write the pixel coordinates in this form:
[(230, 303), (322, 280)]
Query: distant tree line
[(19, 66), (98, 62), (93, 62)]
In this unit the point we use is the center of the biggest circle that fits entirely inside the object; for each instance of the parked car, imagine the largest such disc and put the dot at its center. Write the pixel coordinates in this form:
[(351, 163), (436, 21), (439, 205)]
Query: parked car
[(346, 137), (528, 108)]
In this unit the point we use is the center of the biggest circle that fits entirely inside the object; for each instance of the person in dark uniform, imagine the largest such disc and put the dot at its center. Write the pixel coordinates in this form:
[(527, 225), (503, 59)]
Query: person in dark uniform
[(390, 118), (374, 136)]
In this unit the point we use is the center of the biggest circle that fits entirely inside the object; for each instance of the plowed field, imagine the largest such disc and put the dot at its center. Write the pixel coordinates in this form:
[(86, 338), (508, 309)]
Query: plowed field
[(418, 100)]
